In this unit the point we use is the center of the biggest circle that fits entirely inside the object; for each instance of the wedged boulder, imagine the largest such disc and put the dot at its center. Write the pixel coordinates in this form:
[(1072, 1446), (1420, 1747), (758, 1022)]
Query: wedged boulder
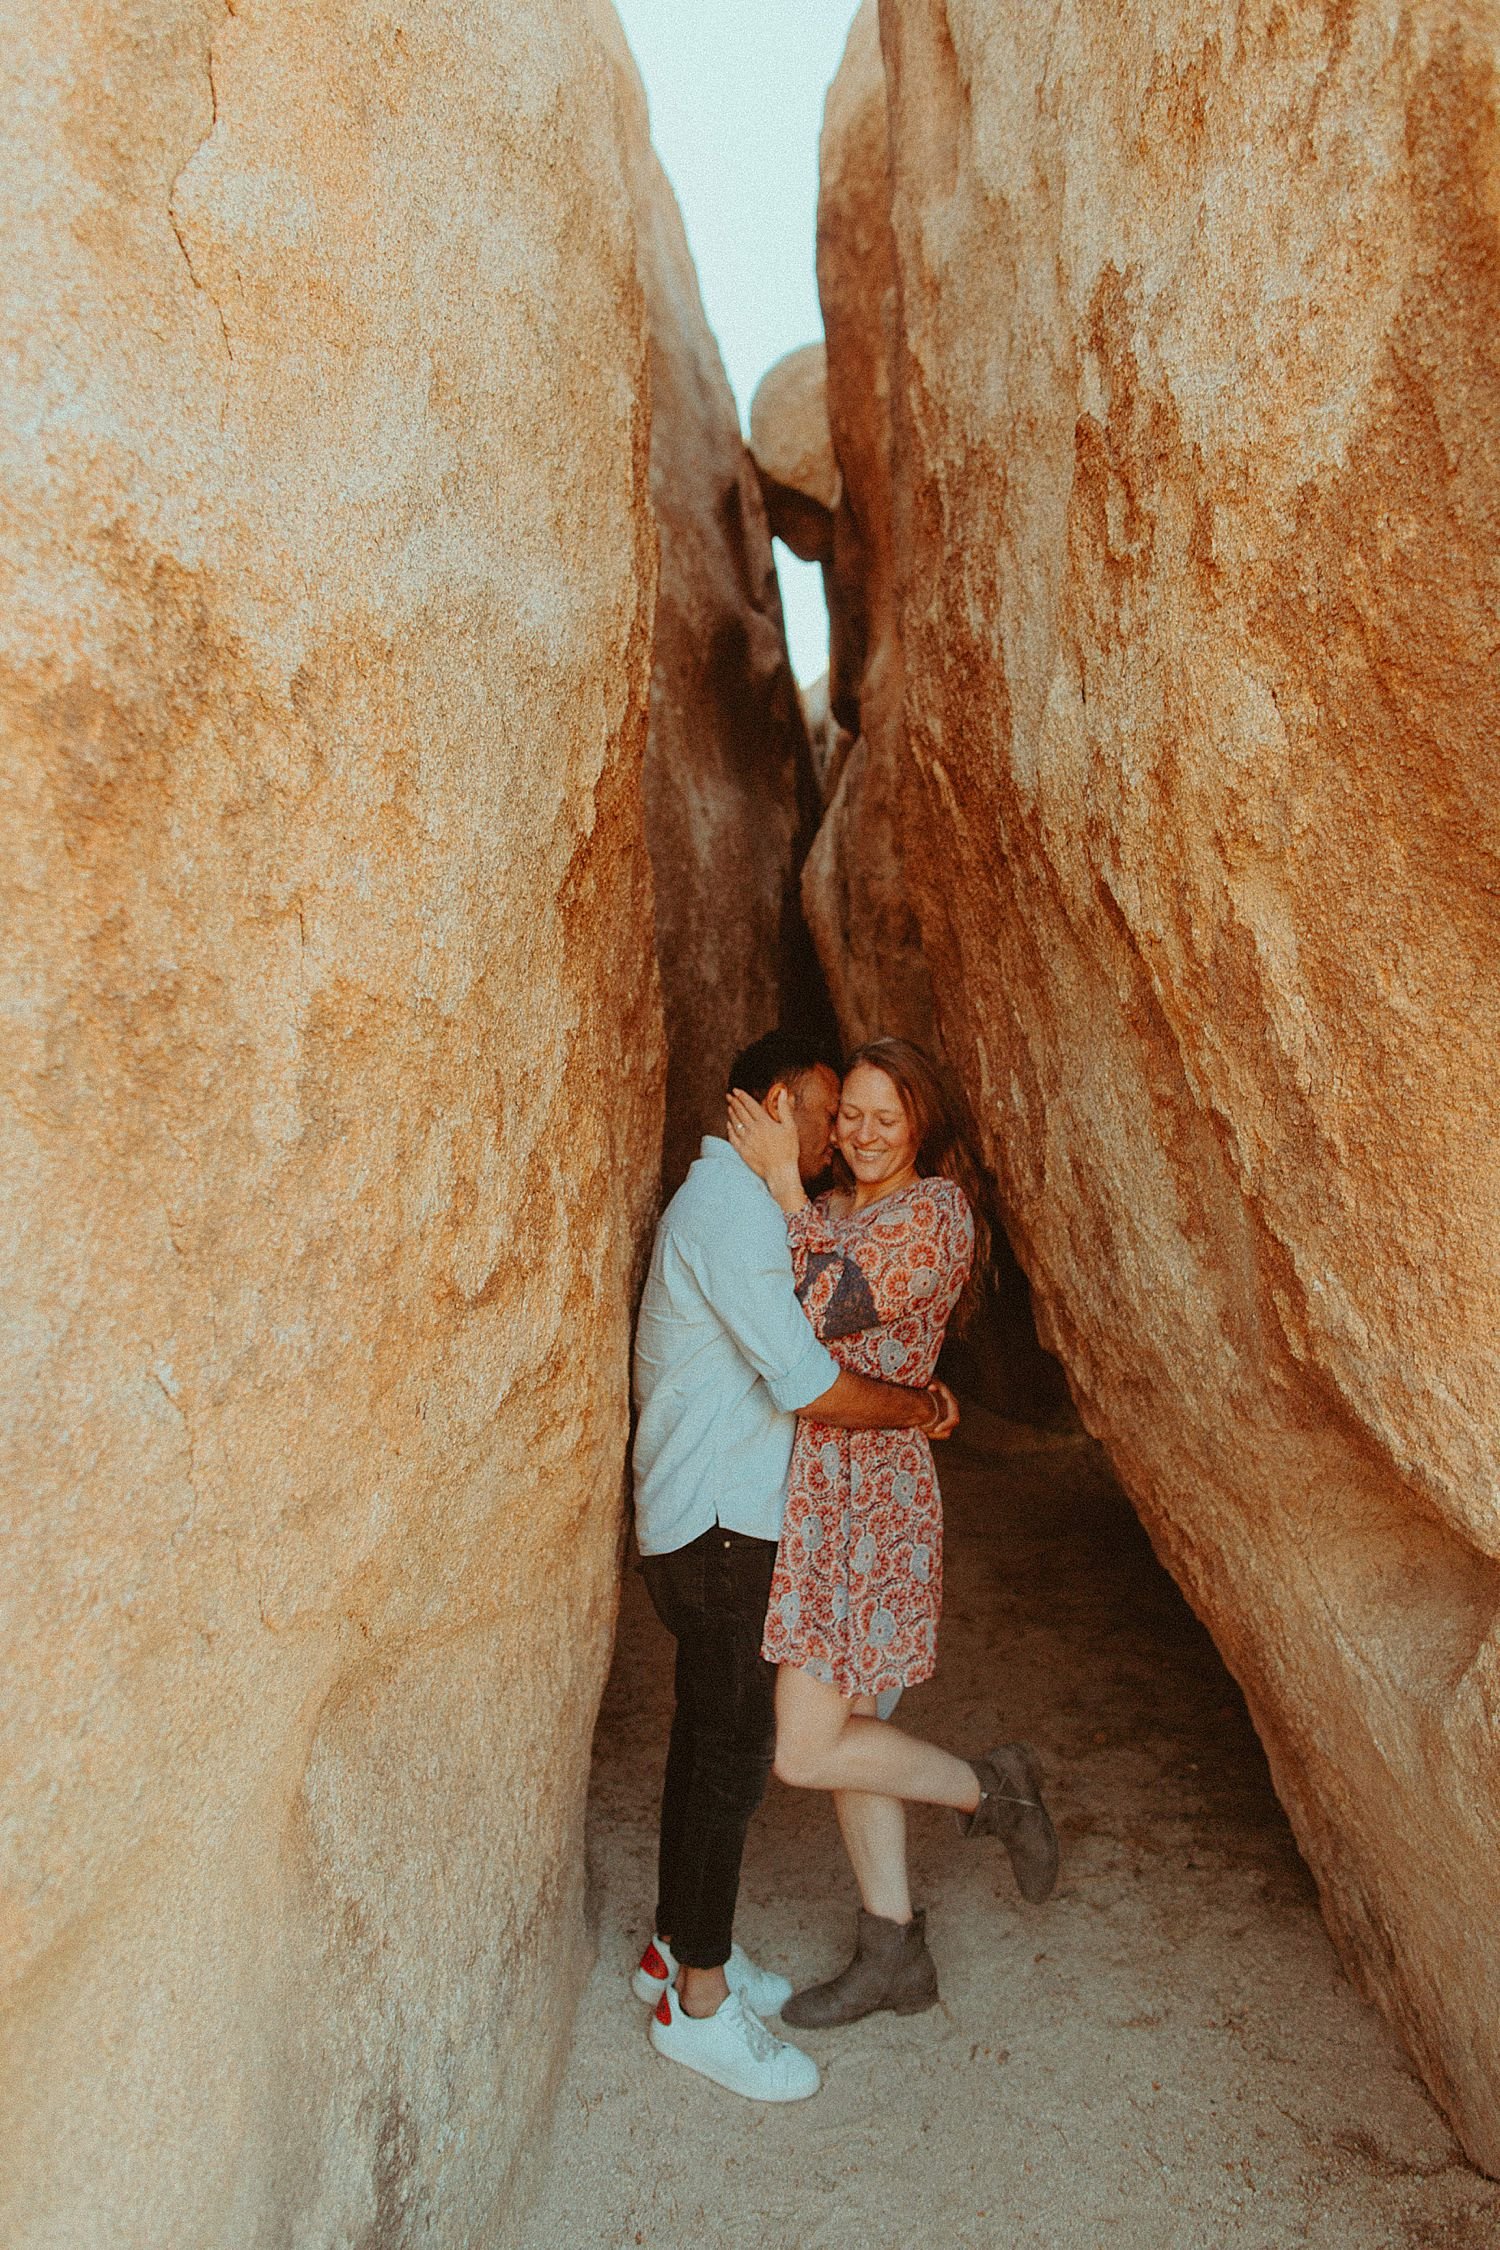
[(793, 449), (334, 1069), (730, 798), (1196, 474)]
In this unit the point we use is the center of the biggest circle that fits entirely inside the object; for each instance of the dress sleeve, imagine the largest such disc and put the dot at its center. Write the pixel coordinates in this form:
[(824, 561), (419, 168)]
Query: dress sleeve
[(952, 1246), (830, 1286), (809, 1233)]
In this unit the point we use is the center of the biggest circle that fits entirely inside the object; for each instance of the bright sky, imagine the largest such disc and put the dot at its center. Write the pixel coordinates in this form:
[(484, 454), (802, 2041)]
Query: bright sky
[(736, 91)]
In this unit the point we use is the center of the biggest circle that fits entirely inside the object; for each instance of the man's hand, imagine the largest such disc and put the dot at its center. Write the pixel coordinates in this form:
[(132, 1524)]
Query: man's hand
[(864, 1402), (947, 1421)]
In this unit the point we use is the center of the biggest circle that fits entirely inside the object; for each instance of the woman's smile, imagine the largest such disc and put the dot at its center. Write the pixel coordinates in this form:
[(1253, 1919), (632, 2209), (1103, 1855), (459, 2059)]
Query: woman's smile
[(875, 1136)]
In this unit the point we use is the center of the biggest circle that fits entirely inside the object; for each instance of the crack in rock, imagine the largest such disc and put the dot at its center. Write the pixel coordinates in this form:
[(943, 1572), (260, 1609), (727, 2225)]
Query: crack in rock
[(175, 221)]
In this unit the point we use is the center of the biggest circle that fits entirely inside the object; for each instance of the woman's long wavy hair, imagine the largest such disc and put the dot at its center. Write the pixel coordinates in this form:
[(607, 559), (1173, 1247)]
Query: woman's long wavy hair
[(943, 1146)]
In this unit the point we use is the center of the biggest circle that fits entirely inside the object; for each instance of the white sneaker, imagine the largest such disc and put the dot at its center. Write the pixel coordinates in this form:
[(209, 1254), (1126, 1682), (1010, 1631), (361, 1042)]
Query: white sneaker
[(759, 1988), (734, 2049)]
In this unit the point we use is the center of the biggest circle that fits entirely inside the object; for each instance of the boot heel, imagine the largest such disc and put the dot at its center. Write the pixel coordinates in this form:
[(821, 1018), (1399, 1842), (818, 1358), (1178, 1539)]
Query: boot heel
[(917, 2007)]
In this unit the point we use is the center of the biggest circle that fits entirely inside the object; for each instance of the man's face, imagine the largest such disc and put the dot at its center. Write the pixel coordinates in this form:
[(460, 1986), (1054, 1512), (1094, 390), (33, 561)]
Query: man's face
[(815, 1104)]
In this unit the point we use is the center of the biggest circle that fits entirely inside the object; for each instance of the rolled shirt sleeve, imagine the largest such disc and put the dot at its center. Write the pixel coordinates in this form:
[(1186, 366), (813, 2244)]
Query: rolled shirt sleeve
[(749, 1285)]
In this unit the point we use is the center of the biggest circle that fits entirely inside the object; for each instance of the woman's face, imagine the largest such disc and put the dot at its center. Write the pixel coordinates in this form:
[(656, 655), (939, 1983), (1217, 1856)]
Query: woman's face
[(873, 1132)]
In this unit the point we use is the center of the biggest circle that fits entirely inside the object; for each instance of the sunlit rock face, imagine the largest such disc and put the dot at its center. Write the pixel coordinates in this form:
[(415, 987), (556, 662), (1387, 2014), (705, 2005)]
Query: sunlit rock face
[(729, 788), (1197, 501), (334, 1080)]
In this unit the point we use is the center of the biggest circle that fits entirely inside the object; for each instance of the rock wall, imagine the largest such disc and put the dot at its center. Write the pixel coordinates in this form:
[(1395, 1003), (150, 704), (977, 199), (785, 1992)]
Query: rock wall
[(1196, 509), (333, 1091), (855, 888), (730, 800), (856, 894), (824, 456)]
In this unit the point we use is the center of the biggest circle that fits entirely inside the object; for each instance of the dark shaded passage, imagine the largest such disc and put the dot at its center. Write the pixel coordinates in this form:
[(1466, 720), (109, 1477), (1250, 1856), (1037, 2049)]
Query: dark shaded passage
[(1168, 2056)]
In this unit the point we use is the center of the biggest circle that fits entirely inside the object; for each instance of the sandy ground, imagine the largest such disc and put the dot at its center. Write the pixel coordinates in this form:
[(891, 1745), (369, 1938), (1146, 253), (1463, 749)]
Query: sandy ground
[(1166, 2056)]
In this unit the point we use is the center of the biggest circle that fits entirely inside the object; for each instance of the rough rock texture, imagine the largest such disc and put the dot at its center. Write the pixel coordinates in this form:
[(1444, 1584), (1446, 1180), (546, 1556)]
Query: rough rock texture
[(730, 800), (857, 291), (327, 573), (1198, 493), (789, 431), (855, 898), (854, 893)]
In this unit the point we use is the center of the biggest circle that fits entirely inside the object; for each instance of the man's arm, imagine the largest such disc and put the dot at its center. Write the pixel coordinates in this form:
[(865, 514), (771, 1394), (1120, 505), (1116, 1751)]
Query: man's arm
[(861, 1402), (745, 1275), (744, 1271)]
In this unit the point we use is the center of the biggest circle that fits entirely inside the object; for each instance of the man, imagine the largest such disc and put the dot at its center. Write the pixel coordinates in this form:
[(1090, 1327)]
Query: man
[(725, 1361)]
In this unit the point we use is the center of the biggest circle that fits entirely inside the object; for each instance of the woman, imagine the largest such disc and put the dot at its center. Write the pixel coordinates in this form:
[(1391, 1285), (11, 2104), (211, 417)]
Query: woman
[(882, 1264)]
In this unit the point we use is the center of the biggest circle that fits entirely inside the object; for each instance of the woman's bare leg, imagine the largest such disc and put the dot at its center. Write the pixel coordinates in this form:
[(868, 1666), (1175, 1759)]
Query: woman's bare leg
[(874, 1833), (824, 1742)]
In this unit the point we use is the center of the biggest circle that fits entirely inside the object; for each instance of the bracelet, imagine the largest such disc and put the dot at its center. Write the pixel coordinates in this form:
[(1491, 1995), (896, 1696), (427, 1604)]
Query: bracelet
[(937, 1409)]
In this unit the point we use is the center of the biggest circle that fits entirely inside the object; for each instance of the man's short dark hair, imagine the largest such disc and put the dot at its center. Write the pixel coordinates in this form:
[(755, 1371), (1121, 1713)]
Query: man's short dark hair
[(779, 1059)]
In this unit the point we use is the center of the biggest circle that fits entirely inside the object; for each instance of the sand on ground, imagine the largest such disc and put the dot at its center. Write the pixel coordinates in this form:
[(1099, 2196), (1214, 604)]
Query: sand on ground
[(1165, 2056)]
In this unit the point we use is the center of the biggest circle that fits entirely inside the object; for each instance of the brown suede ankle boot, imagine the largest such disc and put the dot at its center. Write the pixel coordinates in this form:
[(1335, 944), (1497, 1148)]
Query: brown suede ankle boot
[(1010, 1807), (892, 1968)]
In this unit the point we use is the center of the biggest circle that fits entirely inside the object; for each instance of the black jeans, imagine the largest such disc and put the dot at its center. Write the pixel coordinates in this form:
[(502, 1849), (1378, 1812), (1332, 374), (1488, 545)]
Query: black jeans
[(712, 1596)]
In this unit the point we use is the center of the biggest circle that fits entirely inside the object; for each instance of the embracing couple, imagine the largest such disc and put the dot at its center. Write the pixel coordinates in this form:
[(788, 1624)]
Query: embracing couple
[(790, 1531)]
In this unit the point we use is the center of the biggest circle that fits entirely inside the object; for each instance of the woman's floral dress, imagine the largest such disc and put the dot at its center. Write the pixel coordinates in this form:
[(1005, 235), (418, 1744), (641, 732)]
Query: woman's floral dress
[(859, 1574)]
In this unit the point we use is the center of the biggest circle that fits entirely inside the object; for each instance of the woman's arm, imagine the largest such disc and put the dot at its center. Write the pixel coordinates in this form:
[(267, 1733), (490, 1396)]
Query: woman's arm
[(766, 1137), (952, 1249)]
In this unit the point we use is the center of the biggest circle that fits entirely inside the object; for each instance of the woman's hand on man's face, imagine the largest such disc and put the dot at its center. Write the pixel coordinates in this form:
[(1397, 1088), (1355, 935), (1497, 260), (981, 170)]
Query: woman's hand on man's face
[(765, 1137)]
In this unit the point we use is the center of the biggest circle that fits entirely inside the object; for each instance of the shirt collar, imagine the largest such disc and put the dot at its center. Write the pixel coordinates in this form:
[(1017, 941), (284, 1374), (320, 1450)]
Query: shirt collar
[(717, 1151)]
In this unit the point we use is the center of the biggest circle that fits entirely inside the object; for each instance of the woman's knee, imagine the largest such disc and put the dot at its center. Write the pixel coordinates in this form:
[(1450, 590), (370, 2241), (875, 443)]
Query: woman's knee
[(797, 1764)]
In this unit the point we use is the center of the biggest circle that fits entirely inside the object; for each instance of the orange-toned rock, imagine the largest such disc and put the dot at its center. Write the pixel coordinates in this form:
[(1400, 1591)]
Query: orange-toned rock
[(828, 742), (857, 290), (1196, 475), (789, 431), (729, 794), (333, 1075)]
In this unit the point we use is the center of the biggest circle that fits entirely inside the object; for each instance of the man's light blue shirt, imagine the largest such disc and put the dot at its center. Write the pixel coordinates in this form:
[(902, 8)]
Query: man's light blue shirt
[(724, 1357)]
